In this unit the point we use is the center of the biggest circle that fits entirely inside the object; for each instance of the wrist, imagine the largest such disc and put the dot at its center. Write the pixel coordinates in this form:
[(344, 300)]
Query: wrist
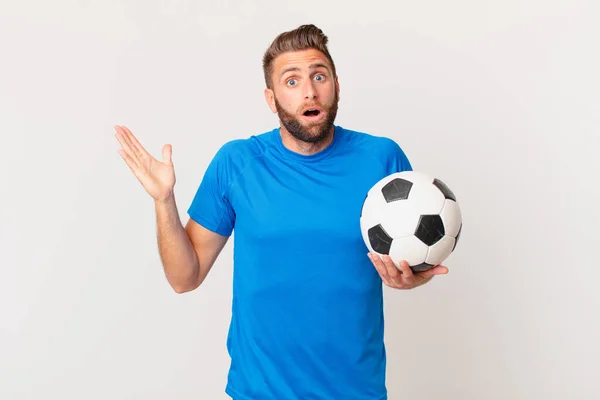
[(165, 201)]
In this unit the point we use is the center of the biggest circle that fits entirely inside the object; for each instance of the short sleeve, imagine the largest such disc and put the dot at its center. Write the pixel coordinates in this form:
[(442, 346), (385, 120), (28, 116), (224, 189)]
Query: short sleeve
[(398, 160), (210, 206)]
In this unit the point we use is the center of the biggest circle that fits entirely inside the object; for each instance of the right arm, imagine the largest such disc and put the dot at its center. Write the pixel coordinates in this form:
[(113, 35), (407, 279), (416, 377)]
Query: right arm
[(188, 253)]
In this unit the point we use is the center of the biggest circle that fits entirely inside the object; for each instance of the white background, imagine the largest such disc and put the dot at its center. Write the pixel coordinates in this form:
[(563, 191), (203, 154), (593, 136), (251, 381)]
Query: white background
[(499, 99)]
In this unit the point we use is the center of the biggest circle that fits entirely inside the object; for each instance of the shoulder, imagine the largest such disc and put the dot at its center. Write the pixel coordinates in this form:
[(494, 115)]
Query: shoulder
[(380, 145), (235, 156), (245, 147), (383, 150), (237, 152)]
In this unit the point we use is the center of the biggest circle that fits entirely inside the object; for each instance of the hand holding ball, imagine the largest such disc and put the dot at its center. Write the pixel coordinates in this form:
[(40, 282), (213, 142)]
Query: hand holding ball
[(411, 216)]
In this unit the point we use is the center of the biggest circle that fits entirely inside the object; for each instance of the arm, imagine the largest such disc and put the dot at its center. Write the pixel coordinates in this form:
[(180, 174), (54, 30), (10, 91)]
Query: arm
[(187, 254)]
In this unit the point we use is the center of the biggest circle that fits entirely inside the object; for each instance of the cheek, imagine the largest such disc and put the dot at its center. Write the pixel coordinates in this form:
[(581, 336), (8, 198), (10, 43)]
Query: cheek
[(288, 102), (328, 93)]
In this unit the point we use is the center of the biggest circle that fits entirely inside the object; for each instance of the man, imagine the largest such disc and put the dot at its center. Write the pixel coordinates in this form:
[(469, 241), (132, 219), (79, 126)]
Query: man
[(307, 315)]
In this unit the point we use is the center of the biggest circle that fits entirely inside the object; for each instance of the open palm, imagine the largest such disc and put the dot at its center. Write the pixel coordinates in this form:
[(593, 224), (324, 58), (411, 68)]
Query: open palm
[(158, 178)]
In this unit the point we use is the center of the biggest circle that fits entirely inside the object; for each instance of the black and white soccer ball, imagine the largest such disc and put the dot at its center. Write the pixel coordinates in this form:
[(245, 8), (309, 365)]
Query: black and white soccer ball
[(411, 216)]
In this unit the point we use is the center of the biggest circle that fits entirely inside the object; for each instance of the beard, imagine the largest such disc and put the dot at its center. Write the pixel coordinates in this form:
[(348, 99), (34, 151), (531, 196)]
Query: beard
[(313, 132)]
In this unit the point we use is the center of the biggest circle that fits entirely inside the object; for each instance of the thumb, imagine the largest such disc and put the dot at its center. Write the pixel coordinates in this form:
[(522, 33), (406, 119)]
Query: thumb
[(167, 153)]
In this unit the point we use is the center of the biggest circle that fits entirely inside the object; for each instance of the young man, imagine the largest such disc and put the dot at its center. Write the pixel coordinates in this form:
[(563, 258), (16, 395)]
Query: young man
[(307, 317)]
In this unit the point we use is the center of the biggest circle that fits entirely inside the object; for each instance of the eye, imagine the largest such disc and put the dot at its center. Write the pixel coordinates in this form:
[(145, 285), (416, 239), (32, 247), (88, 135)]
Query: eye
[(319, 77), (291, 82)]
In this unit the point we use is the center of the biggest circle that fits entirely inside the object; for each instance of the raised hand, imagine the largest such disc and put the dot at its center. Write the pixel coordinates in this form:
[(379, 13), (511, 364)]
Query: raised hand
[(158, 178), (403, 277)]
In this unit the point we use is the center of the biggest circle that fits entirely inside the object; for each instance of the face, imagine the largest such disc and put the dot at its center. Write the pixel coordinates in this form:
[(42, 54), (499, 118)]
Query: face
[(305, 94)]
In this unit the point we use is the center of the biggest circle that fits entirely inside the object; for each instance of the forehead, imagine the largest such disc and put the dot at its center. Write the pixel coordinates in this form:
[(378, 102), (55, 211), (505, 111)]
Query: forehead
[(303, 59)]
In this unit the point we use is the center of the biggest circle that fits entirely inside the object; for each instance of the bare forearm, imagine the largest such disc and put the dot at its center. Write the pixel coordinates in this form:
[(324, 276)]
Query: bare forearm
[(178, 257)]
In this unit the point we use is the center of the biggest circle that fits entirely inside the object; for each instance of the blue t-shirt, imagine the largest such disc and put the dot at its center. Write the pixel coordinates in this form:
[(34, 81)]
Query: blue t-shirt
[(307, 314)]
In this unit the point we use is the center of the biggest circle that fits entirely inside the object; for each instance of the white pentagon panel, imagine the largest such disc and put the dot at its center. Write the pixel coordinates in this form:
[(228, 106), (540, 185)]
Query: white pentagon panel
[(400, 218), (375, 207), (408, 248), (374, 203), (452, 218), (426, 198), (440, 250)]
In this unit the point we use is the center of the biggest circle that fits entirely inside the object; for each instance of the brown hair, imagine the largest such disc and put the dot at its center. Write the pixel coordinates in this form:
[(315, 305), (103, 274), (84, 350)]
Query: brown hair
[(302, 38)]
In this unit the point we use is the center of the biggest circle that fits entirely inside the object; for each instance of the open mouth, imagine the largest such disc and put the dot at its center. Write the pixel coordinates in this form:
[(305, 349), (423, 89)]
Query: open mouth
[(311, 113)]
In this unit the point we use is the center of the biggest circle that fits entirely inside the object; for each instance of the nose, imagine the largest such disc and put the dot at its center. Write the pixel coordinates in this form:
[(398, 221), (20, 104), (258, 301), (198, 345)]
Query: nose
[(309, 90)]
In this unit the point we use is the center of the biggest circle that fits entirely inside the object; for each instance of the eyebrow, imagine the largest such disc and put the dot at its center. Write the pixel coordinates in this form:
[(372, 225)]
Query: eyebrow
[(311, 66)]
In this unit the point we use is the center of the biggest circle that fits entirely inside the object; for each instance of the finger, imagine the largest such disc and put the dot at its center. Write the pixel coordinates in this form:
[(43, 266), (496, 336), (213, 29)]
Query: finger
[(441, 269), (127, 151), (125, 141), (129, 139), (379, 266), (129, 161), (437, 270), (406, 270), (135, 142), (167, 153), (392, 270)]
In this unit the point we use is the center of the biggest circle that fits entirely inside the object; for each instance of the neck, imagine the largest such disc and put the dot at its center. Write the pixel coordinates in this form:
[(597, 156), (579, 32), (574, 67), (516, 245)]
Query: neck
[(305, 148)]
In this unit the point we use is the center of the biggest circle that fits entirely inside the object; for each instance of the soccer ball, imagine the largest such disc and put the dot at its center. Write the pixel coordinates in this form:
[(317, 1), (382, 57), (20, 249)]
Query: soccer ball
[(411, 216)]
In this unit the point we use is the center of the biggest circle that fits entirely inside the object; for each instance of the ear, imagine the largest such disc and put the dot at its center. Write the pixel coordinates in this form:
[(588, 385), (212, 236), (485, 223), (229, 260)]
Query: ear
[(270, 98), (337, 85)]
